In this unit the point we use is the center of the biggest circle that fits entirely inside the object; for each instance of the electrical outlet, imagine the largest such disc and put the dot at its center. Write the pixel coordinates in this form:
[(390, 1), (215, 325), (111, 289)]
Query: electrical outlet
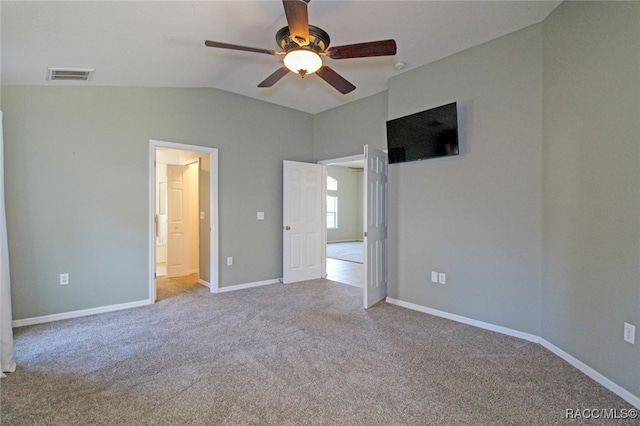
[(260, 216), (442, 278), (64, 279), (229, 261), (630, 333), (434, 277)]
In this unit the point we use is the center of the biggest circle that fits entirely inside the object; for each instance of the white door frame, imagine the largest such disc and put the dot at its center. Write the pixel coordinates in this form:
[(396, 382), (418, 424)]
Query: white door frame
[(213, 209)]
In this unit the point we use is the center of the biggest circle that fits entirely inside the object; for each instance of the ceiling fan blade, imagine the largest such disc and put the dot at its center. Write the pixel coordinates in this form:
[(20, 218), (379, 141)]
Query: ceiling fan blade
[(274, 78), (238, 47), (335, 79), (297, 20), (363, 50)]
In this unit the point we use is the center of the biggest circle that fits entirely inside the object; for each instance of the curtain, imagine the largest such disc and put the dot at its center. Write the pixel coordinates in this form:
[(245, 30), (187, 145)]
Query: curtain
[(7, 356)]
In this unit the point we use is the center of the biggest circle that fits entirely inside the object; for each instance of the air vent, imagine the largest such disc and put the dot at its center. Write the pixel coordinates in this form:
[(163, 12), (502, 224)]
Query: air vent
[(69, 74)]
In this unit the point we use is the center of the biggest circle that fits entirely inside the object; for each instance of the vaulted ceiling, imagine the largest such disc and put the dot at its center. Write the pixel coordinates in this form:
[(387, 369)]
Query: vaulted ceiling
[(161, 43)]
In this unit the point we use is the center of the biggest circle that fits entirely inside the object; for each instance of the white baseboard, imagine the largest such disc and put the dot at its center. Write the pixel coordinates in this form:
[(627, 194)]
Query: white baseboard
[(604, 381), (247, 285), (464, 320), (77, 314), (104, 309)]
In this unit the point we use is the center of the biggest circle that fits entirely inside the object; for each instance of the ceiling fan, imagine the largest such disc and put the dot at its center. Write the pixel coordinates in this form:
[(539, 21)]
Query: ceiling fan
[(303, 46)]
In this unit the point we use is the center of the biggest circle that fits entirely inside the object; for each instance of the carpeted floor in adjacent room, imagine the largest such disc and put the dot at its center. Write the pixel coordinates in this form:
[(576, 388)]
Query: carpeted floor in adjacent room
[(295, 354), (170, 287), (351, 251)]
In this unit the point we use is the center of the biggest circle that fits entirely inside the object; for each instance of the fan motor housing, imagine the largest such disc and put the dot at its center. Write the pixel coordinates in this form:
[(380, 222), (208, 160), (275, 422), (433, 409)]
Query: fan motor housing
[(318, 39)]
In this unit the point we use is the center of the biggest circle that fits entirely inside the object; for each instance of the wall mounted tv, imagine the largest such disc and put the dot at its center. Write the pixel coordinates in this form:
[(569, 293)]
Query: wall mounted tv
[(426, 134)]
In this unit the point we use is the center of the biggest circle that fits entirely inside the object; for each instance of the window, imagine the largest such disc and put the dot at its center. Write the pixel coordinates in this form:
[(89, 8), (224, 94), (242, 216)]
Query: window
[(332, 212), (332, 204), (332, 184)]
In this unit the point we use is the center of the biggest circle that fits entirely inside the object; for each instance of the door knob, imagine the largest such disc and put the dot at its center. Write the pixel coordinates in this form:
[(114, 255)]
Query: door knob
[(287, 228)]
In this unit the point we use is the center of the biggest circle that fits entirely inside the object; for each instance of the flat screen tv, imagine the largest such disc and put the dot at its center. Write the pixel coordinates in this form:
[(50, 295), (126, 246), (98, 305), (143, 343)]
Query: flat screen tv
[(426, 134)]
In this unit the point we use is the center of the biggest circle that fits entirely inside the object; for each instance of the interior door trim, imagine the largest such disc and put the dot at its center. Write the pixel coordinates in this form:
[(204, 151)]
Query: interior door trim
[(213, 209)]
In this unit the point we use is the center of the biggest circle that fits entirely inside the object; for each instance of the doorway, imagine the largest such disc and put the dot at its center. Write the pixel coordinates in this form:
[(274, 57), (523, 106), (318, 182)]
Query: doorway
[(304, 204), (374, 230), (344, 230), (183, 207)]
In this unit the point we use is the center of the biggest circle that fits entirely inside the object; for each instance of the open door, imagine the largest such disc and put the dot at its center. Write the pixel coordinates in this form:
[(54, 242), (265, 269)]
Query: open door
[(375, 224), (178, 225), (302, 225)]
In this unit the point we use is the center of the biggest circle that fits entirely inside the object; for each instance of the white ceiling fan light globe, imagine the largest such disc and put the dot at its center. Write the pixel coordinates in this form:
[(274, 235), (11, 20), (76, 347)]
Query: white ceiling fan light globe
[(302, 61)]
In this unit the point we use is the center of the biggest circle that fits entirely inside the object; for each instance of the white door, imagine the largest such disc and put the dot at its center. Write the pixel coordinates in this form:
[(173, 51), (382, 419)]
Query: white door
[(177, 222), (302, 221), (375, 237)]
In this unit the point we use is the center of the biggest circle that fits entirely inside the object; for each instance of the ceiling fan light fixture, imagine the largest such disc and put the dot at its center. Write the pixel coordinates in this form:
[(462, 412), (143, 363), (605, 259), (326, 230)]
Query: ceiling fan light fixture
[(302, 61)]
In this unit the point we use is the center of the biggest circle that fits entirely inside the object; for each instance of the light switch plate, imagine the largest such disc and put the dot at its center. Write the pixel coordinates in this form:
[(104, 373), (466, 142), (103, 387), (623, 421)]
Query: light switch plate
[(630, 333), (260, 215)]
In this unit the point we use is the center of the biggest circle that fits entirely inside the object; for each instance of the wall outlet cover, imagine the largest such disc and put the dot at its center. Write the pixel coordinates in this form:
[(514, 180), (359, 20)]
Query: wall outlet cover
[(630, 333), (434, 277)]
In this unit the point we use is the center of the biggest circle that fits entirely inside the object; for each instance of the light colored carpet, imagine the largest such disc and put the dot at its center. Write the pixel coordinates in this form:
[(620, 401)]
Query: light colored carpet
[(352, 251), (296, 354)]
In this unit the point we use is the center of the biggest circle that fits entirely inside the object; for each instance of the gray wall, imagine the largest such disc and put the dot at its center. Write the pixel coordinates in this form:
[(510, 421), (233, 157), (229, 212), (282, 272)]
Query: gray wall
[(591, 186), (476, 216), (344, 131), (350, 199), (76, 170)]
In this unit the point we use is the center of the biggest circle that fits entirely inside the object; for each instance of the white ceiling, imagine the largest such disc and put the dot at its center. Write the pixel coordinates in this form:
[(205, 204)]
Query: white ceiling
[(161, 43)]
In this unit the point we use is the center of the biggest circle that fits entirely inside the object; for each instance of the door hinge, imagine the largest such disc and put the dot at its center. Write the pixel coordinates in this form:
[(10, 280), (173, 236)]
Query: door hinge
[(365, 234)]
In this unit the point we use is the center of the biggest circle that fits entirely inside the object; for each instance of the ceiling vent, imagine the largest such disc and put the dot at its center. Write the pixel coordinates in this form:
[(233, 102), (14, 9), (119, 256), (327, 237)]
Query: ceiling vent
[(69, 74)]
